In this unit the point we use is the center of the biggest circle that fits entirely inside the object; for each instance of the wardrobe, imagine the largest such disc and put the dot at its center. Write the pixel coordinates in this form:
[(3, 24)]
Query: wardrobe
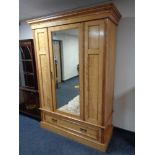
[(80, 105)]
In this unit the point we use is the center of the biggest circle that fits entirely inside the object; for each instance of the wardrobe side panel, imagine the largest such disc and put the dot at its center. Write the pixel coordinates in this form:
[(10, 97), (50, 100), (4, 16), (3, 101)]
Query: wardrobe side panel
[(109, 70), (43, 68), (94, 53)]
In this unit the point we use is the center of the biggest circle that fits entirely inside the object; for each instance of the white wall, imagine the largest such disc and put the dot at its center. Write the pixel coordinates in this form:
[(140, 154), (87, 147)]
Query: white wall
[(124, 97), (25, 31), (124, 92), (70, 55)]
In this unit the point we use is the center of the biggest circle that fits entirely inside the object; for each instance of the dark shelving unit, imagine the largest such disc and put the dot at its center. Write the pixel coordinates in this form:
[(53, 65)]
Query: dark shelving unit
[(28, 90)]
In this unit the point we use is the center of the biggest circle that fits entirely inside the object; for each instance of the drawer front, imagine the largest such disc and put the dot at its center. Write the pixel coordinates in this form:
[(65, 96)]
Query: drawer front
[(73, 126), (50, 119), (86, 131)]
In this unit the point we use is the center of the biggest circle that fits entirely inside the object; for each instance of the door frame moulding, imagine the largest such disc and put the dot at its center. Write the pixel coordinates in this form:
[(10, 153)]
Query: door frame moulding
[(78, 26)]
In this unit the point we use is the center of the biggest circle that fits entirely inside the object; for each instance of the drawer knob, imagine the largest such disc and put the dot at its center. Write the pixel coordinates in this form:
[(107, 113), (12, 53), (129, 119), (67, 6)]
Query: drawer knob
[(54, 120), (83, 130)]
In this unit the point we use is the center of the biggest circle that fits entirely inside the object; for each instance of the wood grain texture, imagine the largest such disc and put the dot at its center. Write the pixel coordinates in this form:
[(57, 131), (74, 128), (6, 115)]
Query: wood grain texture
[(101, 11), (93, 37), (109, 69), (97, 31), (94, 53), (87, 131), (93, 85), (74, 136), (67, 117), (43, 68)]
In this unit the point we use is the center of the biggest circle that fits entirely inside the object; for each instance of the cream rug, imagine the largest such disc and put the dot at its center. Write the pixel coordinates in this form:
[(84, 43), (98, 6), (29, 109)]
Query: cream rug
[(72, 107)]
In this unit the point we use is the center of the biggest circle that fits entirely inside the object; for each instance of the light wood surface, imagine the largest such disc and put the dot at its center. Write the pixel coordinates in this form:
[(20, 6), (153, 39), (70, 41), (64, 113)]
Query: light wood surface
[(68, 117), (87, 131), (94, 43), (109, 69), (79, 138), (43, 68), (97, 37), (101, 11)]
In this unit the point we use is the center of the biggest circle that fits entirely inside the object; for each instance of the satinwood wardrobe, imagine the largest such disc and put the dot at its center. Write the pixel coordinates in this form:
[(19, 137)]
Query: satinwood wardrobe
[(76, 82)]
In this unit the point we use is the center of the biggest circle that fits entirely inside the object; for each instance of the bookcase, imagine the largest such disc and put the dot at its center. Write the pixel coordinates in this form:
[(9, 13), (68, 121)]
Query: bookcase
[(28, 89)]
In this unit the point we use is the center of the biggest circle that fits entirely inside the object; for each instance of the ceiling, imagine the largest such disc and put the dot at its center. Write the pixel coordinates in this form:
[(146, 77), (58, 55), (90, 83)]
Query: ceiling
[(29, 9), (36, 8)]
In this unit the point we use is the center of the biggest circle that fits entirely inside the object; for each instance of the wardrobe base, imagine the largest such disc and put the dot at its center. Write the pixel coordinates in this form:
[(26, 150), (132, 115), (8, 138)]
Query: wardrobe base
[(78, 138)]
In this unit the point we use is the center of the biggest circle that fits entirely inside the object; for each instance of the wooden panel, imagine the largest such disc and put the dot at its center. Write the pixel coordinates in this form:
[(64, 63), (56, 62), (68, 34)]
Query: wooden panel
[(93, 79), (29, 103), (105, 132), (50, 119), (93, 36), (79, 128), (94, 54), (43, 68), (101, 11), (45, 78), (75, 136), (109, 69), (41, 41), (73, 126), (70, 118)]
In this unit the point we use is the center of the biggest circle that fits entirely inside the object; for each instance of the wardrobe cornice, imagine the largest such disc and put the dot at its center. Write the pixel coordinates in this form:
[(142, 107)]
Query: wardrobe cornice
[(86, 14)]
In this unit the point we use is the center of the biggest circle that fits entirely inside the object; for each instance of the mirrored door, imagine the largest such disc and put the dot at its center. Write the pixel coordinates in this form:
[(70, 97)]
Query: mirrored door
[(65, 60)]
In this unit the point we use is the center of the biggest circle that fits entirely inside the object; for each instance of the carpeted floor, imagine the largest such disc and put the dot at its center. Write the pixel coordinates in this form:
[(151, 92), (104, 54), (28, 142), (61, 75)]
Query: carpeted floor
[(66, 91), (34, 140)]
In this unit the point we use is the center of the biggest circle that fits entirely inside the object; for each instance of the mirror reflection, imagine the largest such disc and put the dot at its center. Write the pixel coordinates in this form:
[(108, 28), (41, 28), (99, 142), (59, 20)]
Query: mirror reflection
[(66, 62)]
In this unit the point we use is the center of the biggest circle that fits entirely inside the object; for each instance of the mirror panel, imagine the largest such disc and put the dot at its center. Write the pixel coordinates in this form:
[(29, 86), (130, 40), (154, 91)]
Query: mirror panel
[(66, 63)]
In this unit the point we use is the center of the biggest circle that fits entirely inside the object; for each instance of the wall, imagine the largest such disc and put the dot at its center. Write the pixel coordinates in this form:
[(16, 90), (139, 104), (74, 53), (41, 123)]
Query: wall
[(124, 96), (25, 31), (124, 92), (70, 55)]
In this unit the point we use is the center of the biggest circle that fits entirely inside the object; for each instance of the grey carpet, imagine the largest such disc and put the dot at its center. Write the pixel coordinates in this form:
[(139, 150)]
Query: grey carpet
[(66, 91), (34, 140)]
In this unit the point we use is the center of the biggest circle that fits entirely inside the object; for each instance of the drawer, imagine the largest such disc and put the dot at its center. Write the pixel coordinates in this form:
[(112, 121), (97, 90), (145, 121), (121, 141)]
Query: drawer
[(50, 119), (75, 127)]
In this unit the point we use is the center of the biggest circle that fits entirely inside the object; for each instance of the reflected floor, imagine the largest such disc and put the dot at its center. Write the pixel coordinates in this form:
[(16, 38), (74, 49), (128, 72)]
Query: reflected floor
[(67, 91), (73, 106)]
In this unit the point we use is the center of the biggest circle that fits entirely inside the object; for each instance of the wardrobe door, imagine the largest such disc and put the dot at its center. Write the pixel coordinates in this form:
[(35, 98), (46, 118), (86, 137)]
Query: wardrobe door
[(94, 53), (43, 68)]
